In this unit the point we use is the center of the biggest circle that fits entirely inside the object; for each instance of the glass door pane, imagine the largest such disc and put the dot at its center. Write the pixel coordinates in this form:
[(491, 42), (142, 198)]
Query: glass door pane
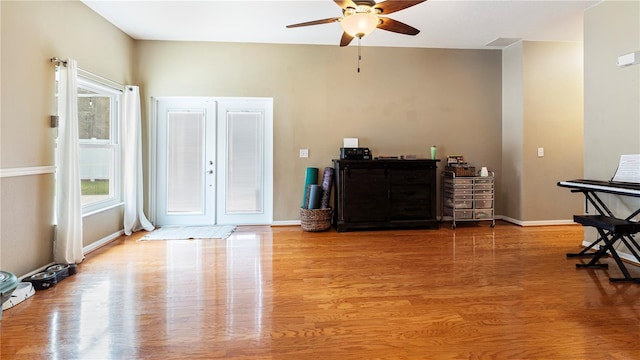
[(244, 162), (185, 162)]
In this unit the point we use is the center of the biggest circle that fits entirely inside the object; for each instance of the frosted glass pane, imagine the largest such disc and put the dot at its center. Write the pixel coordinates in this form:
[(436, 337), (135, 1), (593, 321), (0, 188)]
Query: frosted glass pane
[(244, 162), (185, 162)]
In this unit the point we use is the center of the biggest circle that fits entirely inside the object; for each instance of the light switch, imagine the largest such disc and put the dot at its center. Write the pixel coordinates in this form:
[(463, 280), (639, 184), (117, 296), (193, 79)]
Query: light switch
[(540, 152), (304, 153)]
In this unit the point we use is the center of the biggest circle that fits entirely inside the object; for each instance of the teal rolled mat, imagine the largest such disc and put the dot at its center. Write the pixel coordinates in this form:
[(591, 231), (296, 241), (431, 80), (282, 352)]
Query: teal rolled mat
[(311, 179)]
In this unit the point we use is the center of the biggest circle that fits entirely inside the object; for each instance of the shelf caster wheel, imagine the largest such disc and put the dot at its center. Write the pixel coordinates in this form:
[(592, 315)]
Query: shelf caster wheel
[(453, 226), (493, 224)]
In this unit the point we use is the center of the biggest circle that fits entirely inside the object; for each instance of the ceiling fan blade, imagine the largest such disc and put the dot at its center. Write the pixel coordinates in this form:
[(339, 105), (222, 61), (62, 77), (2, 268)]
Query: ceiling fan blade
[(345, 3), (397, 26), (346, 39), (391, 6), (314, 22)]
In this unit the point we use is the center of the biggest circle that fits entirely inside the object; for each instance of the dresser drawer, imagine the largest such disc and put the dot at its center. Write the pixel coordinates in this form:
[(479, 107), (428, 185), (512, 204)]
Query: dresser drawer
[(487, 192), (409, 211), (484, 181), (483, 204), (464, 214), (459, 196), (483, 196), (484, 214), (459, 192), (409, 192), (415, 176), (484, 186)]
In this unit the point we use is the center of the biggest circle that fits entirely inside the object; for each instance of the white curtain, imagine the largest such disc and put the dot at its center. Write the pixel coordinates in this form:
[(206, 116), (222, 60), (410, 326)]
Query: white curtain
[(67, 247), (134, 218)]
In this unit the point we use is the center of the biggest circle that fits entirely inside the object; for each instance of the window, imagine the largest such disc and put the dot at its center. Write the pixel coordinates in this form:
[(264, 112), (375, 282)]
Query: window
[(99, 132)]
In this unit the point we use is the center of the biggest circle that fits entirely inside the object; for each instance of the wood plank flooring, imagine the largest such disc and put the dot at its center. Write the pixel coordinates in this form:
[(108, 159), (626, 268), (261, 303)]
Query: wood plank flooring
[(281, 293)]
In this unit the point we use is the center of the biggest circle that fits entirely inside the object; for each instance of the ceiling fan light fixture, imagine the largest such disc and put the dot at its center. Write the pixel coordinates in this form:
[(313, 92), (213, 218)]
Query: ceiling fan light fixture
[(360, 24)]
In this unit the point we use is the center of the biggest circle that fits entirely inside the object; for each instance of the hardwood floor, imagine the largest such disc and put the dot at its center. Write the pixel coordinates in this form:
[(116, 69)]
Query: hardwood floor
[(282, 293)]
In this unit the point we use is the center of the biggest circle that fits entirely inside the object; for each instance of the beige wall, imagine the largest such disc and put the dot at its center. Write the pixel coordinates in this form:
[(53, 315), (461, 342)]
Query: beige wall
[(402, 102), (542, 107), (32, 33), (553, 120), (612, 94)]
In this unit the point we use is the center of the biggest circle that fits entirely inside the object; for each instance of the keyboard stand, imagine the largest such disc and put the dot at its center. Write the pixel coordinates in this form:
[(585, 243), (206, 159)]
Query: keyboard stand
[(611, 230)]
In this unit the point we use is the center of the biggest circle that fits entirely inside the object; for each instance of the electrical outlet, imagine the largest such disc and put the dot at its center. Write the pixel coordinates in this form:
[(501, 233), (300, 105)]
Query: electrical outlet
[(304, 153), (540, 152)]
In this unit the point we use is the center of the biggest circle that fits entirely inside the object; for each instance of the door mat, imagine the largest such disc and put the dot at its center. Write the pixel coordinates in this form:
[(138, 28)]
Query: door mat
[(190, 232)]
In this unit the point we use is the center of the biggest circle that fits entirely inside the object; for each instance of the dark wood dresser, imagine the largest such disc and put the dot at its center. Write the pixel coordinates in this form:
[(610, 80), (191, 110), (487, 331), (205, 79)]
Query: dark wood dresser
[(380, 194)]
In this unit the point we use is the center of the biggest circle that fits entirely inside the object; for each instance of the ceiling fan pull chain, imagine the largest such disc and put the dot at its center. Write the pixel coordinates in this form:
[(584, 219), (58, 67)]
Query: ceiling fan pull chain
[(359, 57)]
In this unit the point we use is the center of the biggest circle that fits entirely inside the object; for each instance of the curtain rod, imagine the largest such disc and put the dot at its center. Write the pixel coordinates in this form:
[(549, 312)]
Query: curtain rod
[(91, 75), (57, 61)]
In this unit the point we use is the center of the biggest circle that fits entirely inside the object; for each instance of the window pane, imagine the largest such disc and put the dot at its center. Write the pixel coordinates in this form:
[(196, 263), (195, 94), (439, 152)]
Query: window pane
[(94, 114), (96, 173)]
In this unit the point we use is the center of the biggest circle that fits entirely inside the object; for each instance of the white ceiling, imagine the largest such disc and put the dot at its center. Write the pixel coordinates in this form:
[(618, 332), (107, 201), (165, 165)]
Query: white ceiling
[(458, 24)]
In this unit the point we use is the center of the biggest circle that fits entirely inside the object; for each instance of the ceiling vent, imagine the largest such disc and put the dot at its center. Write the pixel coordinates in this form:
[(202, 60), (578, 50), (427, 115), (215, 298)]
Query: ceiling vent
[(503, 42)]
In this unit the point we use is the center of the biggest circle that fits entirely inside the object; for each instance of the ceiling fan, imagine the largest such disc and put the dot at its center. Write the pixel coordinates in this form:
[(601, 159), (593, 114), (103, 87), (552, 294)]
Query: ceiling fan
[(361, 17)]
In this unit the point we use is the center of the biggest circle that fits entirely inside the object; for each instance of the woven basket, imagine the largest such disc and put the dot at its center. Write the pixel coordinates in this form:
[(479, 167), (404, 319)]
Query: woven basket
[(462, 170), (315, 219)]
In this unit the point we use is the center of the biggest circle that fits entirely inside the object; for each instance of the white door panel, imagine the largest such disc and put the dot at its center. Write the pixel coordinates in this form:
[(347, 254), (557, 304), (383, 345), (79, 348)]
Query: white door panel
[(245, 153), (185, 162)]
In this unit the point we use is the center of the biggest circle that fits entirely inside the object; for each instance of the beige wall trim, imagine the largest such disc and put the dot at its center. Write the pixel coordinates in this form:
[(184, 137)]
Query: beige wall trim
[(27, 171)]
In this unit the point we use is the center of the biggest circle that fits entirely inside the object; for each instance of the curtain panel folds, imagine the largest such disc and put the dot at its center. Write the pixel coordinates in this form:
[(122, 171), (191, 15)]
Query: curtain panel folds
[(134, 217), (67, 247)]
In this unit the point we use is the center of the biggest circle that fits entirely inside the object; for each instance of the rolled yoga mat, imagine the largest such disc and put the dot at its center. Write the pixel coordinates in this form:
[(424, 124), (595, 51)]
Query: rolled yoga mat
[(327, 182), (315, 196), (311, 179)]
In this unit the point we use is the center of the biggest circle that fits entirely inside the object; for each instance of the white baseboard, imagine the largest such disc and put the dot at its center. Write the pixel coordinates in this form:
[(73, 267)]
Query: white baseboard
[(102, 242), (623, 255), (448, 218), (285, 223), (535, 223), (35, 271), (87, 249)]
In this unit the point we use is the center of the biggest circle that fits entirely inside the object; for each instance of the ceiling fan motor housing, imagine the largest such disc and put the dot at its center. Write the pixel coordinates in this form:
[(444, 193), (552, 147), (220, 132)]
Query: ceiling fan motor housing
[(362, 7)]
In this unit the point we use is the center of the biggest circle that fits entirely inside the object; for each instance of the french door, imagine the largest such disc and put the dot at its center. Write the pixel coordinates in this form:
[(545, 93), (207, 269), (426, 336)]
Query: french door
[(185, 162), (213, 161)]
